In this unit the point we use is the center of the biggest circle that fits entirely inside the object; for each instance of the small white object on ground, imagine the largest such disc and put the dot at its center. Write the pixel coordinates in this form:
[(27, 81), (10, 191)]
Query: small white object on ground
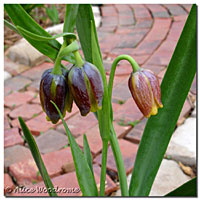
[(7, 75), (182, 146), (168, 178)]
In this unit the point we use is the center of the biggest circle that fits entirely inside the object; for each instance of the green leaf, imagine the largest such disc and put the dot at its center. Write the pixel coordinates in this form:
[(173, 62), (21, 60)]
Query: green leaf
[(88, 38), (43, 38), (69, 49), (29, 7), (87, 152), (84, 26), (70, 17), (37, 157), (174, 88), (69, 25), (20, 18), (104, 113), (188, 189), (89, 42), (84, 175), (11, 26)]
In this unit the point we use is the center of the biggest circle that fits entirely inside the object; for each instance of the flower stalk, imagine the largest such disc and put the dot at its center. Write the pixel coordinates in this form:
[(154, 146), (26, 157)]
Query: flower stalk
[(103, 167), (79, 61), (113, 139), (133, 63), (57, 64)]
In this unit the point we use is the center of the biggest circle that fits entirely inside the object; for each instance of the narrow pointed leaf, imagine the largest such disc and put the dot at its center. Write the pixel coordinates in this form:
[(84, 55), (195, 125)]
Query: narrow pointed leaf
[(84, 175), (104, 114), (29, 7), (87, 152), (84, 26), (20, 18), (11, 26), (69, 25), (70, 17), (89, 42), (37, 157), (188, 189), (174, 89), (43, 38)]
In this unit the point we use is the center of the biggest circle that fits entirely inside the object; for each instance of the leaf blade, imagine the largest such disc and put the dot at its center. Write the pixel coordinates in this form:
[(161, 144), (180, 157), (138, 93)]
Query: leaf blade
[(159, 128), (43, 38), (103, 114), (89, 42), (20, 18), (188, 189), (84, 175), (84, 26), (87, 152), (11, 26), (37, 157), (70, 17)]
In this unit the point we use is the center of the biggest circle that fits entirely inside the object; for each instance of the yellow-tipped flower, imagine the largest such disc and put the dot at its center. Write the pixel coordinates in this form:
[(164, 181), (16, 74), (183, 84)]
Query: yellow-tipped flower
[(54, 87), (145, 89), (87, 87)]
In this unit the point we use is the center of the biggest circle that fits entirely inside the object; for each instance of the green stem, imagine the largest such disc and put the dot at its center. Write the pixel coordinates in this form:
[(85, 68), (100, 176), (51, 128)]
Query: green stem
[(57, 65), (78, 60), (103, 167), (113, 139), (119, 162), (133, 63)]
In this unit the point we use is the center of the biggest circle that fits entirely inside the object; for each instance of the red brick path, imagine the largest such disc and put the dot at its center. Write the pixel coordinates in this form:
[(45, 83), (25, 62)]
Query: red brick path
[(149, 33)]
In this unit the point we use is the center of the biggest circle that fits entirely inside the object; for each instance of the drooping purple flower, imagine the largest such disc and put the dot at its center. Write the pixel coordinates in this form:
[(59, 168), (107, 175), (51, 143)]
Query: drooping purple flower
[(87, 87), (145, 90), (54, 87)]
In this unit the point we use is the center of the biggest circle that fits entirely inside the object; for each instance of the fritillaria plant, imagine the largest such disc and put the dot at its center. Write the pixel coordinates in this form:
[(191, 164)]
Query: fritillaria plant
[(85, 84)]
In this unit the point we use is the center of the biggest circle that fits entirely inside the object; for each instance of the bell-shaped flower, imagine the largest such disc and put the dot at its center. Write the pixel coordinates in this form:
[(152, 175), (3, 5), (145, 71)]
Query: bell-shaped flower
[(54, 87), (86, 86), (145, 89)]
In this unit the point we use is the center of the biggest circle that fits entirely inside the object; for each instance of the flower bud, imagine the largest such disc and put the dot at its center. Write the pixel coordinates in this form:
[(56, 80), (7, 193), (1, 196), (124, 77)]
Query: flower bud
[(87, 87), (145, 89), (54, 87)]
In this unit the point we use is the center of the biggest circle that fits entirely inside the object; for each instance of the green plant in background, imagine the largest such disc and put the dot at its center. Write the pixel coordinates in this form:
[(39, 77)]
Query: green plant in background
[(53, 14), (51, 11), (86, 84), (29, 7)]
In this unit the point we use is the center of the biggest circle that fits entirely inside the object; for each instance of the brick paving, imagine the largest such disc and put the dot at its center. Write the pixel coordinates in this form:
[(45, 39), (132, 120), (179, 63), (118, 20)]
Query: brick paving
[(148, 33)]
